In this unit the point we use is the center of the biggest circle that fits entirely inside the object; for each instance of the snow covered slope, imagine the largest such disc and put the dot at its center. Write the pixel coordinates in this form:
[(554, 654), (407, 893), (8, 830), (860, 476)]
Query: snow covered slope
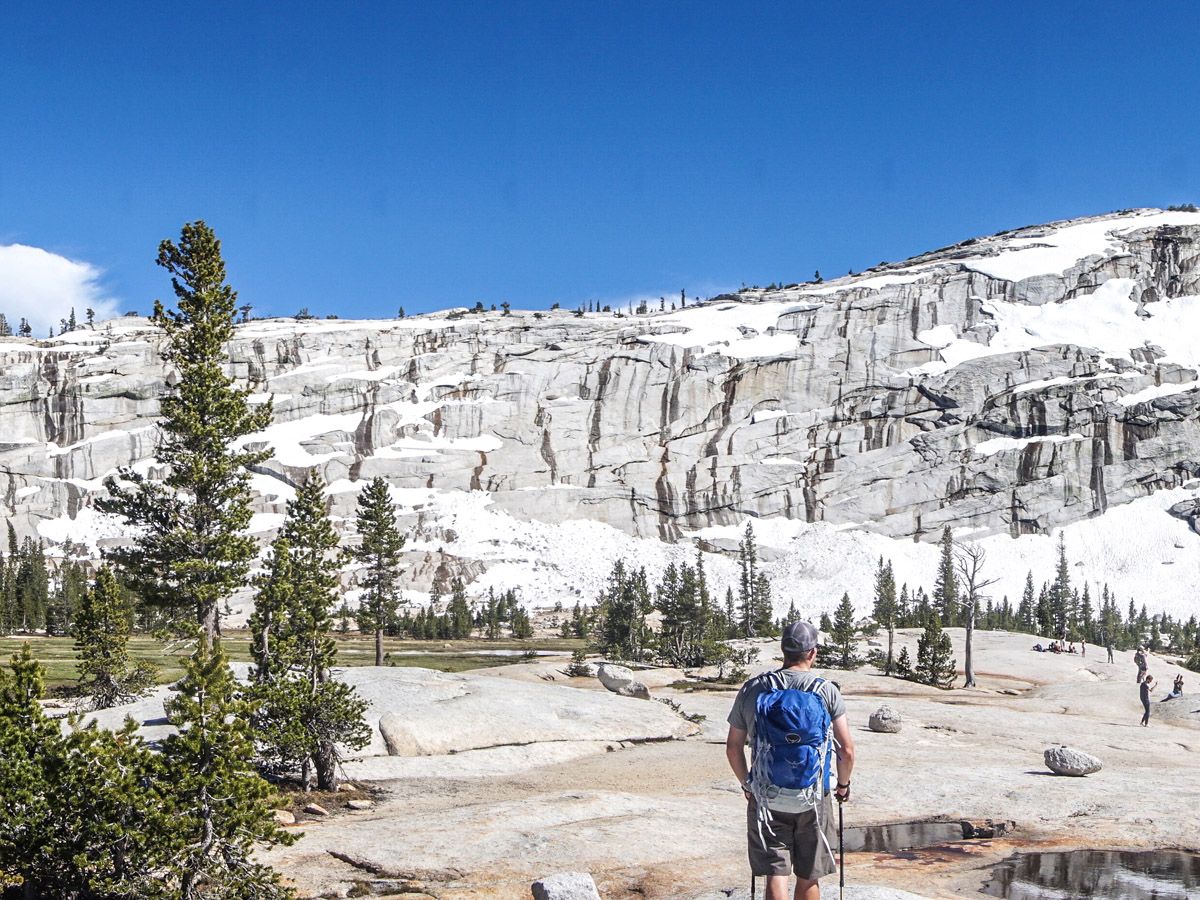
[(1006, 386)]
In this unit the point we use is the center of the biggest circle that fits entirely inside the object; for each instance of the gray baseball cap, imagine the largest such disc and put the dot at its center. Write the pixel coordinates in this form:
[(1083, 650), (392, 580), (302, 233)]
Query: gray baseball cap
[(799, 637)]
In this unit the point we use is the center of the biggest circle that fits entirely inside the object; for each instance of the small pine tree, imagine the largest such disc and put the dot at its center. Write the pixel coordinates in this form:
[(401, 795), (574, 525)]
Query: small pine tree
[(842, 655), (84, 812), (302, 715), (220, 804), (459, 611), (102, 625), (522, 628), (621, 631), (379, 550), (755, 606), (579, 667), (904, 667), (935, 662)]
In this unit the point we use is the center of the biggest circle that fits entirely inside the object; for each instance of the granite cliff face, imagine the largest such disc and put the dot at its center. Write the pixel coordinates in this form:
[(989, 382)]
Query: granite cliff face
[(1013, 383)]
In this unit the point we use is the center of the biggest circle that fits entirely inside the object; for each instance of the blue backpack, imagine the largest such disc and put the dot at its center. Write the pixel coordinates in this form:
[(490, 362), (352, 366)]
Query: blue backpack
[(793, 749)]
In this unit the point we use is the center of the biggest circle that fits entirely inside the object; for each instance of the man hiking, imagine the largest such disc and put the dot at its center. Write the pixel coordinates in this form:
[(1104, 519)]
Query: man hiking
[(1145, 689), (796, 724)]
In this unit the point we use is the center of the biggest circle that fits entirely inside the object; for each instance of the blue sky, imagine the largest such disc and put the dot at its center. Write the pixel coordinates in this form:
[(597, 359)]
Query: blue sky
[(359, 157)]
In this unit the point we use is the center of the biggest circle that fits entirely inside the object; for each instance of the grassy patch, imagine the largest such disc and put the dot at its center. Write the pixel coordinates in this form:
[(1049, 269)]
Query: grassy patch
[(57, 654), (689, 687)]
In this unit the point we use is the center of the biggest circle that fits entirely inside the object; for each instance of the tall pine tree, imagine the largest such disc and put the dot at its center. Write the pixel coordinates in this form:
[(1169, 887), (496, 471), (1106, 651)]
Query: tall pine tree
[(191, 549), (945, 584), (886, 607)]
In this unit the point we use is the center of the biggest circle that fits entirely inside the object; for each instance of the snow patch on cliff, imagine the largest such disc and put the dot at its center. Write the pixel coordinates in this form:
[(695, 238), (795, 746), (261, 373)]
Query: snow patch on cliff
[(1107, 319), (1060, 247)]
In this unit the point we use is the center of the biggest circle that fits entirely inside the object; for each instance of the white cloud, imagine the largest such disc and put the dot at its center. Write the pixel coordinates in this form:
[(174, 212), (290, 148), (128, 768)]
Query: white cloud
[(43, 287)]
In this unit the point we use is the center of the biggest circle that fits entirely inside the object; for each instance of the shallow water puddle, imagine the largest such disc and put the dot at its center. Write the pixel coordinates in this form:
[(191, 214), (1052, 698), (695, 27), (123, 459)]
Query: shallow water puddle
[(1100, 874), (901, 836)]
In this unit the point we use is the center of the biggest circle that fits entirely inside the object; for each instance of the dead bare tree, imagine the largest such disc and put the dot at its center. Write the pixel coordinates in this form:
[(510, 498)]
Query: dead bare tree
[(969, 560)]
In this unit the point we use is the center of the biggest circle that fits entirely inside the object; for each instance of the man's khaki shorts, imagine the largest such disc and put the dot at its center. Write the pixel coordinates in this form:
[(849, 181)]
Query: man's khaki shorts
[(793, 844)]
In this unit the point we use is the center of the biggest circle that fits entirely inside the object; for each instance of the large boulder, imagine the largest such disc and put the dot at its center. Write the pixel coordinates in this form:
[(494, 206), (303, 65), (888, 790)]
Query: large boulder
[(620, 680), (417, 713), (425, 713), (1067, 761), (566, 886), (886, 720)]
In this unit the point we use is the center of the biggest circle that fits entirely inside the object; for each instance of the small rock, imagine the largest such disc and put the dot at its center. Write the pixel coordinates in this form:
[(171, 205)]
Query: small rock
[(360, 804), (1065, 761), (316, 809), (346, 787), (885, 720), (620, 680), (566, 886), (285, 817)]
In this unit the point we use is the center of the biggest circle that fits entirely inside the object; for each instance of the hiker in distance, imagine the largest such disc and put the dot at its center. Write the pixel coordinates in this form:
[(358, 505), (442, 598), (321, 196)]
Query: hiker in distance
[(796, 725), (1139, 659)]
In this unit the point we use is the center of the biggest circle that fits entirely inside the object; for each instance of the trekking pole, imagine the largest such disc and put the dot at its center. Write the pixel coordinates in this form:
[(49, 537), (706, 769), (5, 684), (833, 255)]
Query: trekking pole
[(841, 854)]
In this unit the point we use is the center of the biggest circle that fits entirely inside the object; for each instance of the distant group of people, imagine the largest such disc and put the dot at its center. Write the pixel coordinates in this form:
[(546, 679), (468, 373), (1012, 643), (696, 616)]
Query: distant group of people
[(1061, 647), (1146, 682)]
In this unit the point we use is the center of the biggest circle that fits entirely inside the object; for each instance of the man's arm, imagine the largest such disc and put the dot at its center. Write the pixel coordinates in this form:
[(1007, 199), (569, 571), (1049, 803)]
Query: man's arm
[(845, 756), (735, 752)]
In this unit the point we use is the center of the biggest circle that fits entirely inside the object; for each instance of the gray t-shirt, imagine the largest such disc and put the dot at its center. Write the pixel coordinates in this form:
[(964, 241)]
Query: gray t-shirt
[(742, 714)]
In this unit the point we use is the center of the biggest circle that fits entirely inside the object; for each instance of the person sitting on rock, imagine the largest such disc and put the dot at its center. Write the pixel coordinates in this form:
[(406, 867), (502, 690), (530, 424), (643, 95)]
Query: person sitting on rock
[(1039, 648), (1071, 649), (1146, 688), (790, 828), (1176, 690)]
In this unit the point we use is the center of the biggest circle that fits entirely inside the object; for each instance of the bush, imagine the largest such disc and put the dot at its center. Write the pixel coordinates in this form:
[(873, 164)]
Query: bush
[(579, 667), (877, 658), (1193, 661), (694, 718), (732, 669)]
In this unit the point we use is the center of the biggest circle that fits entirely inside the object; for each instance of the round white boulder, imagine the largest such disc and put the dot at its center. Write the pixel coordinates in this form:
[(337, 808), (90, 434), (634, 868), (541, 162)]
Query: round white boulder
[(885, 720), (1066, 761), (620, 680)]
